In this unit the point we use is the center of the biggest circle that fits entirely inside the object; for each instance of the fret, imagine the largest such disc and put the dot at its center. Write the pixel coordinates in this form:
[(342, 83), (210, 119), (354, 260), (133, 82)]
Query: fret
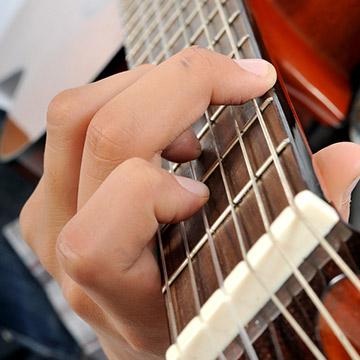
[(236, 201)]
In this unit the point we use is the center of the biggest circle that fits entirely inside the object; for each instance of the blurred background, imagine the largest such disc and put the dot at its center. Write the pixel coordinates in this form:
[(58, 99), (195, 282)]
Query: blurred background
[(48, 46)]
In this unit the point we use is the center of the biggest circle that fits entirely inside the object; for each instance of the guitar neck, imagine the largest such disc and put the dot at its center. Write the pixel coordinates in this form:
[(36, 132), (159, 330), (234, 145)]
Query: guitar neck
[(259, 141)]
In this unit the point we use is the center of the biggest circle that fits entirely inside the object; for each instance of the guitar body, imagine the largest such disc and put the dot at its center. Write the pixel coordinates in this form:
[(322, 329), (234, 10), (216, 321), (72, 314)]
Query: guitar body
[(245, 278), (316, 67)]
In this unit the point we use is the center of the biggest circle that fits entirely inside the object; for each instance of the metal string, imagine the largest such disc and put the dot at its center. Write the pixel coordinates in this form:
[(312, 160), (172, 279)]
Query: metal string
[(273, 297), (168, 300), (248, 346), (213, 252), (312, 347), (223, 216), (302, 334), (260, 114), (307, 288), (182, 224), (214, 256)]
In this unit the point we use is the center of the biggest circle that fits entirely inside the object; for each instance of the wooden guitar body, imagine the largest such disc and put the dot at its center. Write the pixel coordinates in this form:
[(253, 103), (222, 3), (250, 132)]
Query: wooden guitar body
[(312, 44), (258, 167)]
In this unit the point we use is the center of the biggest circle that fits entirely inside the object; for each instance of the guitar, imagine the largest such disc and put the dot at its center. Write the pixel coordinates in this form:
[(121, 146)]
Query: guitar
[(267, 269)]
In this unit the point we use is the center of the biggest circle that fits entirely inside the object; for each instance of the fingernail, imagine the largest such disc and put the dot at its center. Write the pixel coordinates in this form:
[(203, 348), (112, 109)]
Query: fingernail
[(193, 186), (258, 67)]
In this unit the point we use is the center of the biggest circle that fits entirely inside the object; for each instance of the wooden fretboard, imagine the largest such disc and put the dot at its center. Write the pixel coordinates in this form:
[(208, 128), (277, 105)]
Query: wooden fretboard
[(241, 144)]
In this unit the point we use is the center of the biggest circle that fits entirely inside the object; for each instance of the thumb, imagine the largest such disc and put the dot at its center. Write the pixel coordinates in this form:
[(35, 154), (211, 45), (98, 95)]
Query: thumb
[(338, 170)]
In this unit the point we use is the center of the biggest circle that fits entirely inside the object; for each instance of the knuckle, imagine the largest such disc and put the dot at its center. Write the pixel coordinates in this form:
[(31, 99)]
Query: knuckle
[(106, 143), (60, 109)]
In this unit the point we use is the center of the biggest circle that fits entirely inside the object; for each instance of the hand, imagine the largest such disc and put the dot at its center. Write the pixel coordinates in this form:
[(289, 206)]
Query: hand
[(93, 216), (338, 170)]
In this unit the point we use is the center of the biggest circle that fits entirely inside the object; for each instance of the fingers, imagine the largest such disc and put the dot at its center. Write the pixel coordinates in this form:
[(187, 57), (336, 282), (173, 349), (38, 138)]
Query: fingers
[(184, 148), (146, 117), (338, 170), (105, 246), (69, 115), (68, 118)]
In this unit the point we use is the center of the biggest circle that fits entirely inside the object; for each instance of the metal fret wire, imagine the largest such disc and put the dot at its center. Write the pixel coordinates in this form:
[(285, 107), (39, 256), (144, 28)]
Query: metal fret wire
[(182, 225), (259, 114), (286, 186), (214, 257), (273, 297)]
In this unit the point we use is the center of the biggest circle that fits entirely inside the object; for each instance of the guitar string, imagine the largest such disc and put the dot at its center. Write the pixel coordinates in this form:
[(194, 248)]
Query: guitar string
[(304, 283), (297, 328), (223, 216), (191, 271), (288, 192), (211, 44), (210, 237), (343, 266), (214, 256), (182, 224), (168, 298), (306, 339), (275, 299), (352, 277), (290, 321)]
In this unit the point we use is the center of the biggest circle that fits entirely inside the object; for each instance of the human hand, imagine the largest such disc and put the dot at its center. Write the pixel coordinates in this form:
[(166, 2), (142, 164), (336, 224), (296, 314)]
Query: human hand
[(338, 170), (92, 218)]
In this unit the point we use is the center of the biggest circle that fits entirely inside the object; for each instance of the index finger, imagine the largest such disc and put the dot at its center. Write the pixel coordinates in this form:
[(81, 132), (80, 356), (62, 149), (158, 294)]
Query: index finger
[(145, 118)]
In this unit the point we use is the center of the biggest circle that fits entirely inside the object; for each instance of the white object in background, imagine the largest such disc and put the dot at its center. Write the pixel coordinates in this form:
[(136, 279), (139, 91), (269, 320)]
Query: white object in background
[(48, 46)]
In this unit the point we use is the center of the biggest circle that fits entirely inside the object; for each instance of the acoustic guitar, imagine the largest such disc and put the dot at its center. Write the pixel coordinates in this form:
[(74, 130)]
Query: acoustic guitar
[(267, 269)]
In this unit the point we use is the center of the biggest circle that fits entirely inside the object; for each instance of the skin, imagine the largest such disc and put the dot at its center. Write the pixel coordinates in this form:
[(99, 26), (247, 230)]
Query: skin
[(93, 216)]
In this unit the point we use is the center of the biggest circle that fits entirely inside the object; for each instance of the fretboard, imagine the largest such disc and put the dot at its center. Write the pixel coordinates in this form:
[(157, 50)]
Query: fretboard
[(253, 143)]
